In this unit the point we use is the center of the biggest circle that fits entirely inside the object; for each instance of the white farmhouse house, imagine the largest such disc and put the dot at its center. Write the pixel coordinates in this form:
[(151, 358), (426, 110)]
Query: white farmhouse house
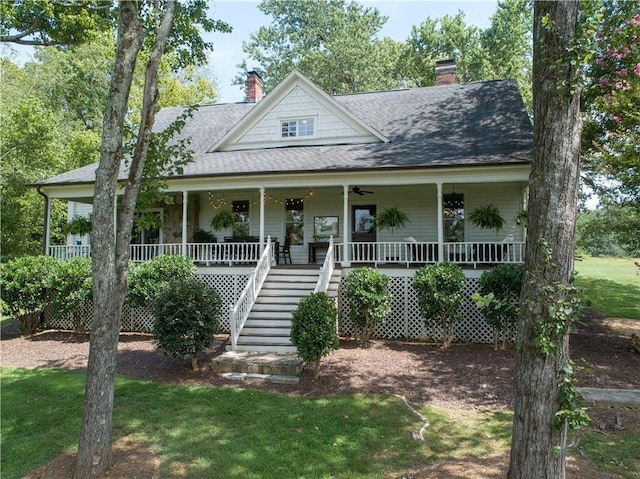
[(302, 174)]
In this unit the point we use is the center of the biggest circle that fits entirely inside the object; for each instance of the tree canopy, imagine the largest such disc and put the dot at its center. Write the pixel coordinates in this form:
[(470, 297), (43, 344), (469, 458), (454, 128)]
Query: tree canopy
[(51, 117), (337, 44), (332, 42), (611, 142)]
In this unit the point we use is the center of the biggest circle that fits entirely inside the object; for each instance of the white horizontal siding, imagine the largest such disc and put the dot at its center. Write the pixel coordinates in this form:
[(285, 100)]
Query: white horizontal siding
[(507, 197), (419, 202)]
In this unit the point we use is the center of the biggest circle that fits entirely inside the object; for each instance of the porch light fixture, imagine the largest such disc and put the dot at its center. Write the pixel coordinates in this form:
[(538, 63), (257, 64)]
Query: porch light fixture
[(287, 201), (454, 200), (218, 203)]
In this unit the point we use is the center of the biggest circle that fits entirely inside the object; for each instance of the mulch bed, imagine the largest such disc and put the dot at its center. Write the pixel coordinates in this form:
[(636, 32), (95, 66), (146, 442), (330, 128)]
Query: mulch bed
[(465, 376)]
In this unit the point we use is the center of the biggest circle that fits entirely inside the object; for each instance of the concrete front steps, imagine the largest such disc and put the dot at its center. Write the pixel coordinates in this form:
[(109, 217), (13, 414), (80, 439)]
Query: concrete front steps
[(268, 327), (274, 367)]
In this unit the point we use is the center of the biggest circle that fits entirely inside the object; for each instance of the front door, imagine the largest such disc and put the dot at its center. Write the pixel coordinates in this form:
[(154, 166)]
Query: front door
[(363, 231)]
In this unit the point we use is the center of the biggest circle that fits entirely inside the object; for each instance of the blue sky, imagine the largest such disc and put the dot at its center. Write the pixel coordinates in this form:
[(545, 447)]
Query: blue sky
[(245, 18)]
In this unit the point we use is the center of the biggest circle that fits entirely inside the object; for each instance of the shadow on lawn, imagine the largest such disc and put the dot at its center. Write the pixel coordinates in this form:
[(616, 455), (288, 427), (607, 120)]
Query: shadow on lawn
[(603, 354), (619, 299)]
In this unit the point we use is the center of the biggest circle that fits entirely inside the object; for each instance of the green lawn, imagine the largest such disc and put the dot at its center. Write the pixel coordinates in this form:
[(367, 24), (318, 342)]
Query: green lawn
[(236, 433), (612, 285)]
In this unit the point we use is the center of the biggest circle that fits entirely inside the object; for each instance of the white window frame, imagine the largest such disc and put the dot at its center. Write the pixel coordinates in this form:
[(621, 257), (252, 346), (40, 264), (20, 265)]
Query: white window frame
[(297, 128)]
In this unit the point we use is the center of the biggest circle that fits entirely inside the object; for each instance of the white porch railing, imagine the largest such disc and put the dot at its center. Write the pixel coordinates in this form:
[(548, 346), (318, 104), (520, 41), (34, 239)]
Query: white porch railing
[(144, 252), (207, 253), (374, 253), (327, 269), (406, 253), (223, 253), (475, 253), (412, 253), (71, 251), (238, 314)]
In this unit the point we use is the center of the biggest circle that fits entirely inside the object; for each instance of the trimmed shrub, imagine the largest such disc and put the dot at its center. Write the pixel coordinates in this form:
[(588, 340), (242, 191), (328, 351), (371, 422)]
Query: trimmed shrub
[(26, 284), (439, 288), (499, 299), (148, 278), (313, 328), (72, 286), (187, 315), (369, 300)]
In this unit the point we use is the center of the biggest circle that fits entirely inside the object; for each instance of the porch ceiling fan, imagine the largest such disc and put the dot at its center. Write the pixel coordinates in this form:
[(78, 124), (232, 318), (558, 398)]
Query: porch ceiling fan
[(358, 191)]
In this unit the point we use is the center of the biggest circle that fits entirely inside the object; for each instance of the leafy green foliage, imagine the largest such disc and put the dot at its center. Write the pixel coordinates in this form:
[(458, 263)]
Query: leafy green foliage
[(562, 305), (26, 284), (333, 42), (572, 410), (443, 38), (51, 120), (203, 236), (391, 218), (610, 231), (313, 328), (439, 288), (79, 225), (53, 22), (487, 217), (369, 300), (499, 299), (223, 219), (187, 315), (72, 286), (147, 279), (611, 100)]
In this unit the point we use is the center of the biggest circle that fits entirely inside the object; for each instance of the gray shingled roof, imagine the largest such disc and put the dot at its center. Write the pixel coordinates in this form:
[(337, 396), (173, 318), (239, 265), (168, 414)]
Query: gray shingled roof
[(480, 123)]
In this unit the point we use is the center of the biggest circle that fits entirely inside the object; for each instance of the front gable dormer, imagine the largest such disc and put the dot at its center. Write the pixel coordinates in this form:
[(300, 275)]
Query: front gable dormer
[(297, 113)]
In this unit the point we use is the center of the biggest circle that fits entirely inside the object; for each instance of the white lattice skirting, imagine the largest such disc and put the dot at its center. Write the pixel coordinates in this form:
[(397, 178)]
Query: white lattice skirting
[(404, 322), (228, 286)]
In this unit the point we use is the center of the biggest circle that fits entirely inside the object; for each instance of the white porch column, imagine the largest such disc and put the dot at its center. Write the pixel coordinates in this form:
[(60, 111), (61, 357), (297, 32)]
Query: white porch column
[(440, 224), (185, 201), (345, 228), (47, 222), (261, 220)]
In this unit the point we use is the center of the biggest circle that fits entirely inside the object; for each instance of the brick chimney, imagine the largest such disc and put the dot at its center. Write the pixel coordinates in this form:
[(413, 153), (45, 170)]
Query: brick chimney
[(445, 72), (254, 87)]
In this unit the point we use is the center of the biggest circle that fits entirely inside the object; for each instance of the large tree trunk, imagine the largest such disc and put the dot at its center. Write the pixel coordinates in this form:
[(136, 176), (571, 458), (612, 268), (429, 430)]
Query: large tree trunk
[(110, 251), (94, 446), (538, 444)]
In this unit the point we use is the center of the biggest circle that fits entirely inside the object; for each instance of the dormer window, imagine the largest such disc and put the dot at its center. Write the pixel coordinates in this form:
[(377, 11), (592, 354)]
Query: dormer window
[(295, 128)]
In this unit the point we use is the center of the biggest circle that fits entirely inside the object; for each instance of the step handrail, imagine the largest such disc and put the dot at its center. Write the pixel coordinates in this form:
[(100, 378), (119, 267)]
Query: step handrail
[(239, 313), (327, 269)]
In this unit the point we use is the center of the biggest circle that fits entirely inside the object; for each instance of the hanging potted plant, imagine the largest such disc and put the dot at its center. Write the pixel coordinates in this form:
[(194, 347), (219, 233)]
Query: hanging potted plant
[(79, 225), (487, 217), (391, 218), (223, 219)]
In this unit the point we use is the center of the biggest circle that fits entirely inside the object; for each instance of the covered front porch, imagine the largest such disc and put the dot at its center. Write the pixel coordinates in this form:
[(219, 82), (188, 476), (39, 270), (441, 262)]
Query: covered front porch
[(300, 220)]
